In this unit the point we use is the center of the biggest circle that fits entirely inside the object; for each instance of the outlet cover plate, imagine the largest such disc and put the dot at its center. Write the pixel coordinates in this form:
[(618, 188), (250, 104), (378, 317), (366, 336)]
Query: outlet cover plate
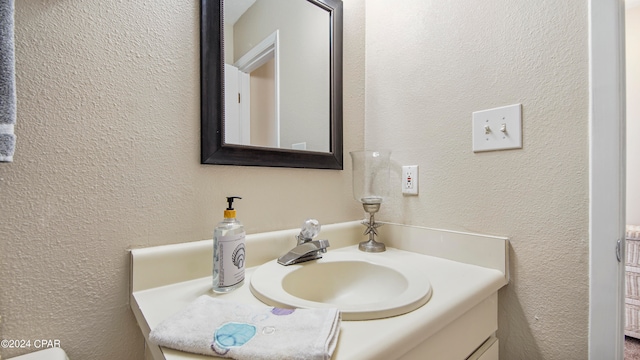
[(497, 129), (410, 179)]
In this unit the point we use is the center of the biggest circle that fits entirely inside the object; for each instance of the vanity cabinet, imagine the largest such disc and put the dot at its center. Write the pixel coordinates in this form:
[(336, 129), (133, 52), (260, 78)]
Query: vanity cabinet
[(471, 336), (458, 322), (487, 351)]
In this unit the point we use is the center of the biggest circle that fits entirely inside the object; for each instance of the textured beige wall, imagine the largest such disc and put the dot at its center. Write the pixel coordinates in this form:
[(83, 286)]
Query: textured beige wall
[(632, 38), (108, 159), (429, 65), (108, 153)]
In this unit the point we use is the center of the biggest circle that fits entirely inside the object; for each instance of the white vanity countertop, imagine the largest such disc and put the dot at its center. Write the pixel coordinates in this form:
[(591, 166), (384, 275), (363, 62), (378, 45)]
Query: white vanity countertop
[(457, 287)]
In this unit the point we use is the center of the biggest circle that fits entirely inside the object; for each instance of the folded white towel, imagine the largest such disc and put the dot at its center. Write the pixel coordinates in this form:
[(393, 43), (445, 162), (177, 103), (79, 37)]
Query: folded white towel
[(217, 327)]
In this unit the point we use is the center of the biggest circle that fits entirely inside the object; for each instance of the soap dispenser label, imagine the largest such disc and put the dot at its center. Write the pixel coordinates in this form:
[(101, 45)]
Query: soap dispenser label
[(232, 254)]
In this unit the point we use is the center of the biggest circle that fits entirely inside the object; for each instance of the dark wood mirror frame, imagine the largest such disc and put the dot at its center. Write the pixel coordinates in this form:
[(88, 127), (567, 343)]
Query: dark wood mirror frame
[(213, 149)]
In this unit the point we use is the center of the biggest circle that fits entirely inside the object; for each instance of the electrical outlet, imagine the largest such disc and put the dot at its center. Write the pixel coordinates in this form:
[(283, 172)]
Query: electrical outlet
[(497, 129), (410, 179)]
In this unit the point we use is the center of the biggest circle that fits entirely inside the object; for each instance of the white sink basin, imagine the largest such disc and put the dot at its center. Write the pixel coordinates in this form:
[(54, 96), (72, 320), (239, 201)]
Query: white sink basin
[(363, 286)]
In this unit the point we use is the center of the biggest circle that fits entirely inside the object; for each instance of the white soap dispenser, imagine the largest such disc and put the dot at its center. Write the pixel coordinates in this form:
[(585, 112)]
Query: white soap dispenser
[(228, 251)]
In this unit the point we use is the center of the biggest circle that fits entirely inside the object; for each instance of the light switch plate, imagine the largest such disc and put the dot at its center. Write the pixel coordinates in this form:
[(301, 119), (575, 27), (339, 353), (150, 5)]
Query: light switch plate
[(497, 129)]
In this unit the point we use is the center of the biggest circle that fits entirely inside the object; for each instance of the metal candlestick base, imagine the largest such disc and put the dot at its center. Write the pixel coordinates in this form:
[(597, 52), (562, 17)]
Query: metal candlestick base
[(371, 245)]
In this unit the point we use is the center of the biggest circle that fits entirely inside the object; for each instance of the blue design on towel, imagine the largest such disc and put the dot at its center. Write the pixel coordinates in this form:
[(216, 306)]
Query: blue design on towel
[(231, 335)]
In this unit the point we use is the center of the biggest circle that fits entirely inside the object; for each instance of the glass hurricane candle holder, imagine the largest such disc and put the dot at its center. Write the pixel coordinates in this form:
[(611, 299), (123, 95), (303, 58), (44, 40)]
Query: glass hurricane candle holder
[(370, 187)]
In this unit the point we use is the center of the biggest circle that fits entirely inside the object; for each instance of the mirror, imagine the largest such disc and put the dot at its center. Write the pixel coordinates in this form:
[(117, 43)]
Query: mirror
[(271, 86)]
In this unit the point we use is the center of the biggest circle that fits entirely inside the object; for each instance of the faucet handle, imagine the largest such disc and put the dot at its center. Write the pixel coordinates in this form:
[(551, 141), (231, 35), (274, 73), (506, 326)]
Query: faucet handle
[(310, 228), (310, 250)]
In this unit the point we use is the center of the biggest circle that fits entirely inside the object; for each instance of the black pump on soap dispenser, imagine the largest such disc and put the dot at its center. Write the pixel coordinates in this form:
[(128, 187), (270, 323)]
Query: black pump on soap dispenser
[(228, 251), (230, 213)]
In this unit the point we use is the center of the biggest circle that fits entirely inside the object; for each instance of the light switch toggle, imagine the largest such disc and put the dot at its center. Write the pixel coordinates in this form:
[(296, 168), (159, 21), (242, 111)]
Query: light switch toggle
[(487, 129), (503, 128)]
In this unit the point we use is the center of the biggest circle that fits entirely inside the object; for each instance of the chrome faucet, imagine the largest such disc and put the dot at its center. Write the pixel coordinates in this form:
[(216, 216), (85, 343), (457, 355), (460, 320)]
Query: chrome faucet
[(307, 248)]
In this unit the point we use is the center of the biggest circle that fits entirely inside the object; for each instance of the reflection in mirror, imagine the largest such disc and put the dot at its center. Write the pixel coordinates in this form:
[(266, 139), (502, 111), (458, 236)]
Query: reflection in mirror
[(273, 95), (277, 68)]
